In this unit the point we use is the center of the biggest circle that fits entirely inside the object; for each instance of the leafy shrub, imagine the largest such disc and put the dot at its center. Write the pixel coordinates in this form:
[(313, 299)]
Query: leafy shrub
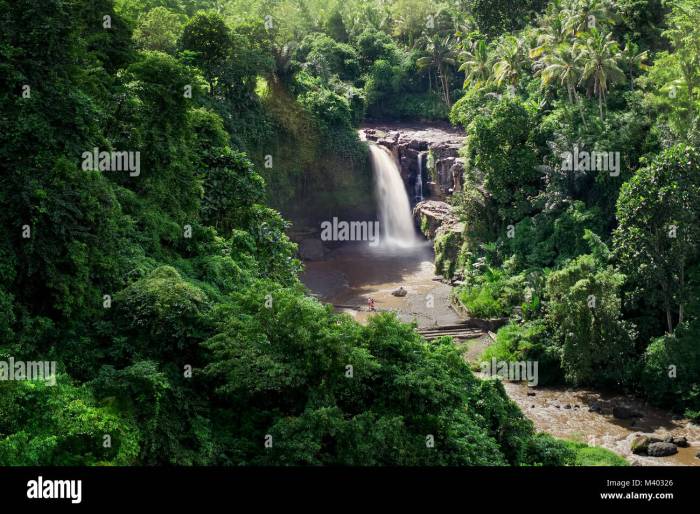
[(671, 372), (584, 310), (491, 294), (528, 342)]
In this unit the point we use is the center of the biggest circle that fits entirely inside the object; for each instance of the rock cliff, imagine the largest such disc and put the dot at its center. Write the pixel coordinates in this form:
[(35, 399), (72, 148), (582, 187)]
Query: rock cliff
[(428, 157)]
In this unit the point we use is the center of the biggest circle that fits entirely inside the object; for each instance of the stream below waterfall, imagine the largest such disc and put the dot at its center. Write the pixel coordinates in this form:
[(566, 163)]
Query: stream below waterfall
[(351, 273)]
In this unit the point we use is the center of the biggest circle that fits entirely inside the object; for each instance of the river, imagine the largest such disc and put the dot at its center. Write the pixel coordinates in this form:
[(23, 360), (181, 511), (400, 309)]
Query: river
[(354, 272)]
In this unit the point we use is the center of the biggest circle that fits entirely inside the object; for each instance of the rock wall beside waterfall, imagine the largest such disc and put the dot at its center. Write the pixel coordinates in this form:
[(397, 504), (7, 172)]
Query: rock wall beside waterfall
[(439, 223), (413, 145)]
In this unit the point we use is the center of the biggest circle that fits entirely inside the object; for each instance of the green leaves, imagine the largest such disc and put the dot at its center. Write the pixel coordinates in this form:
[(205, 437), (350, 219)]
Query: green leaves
[(659, 229)]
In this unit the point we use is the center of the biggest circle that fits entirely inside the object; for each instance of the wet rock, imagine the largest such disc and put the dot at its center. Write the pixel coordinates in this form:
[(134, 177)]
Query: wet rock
[(432, 214), (661, 449), (595, 407), (621, 412), (400, 292), (681, 442), (697, 455), (567, 406), (640, 443), (311, 250), (408, 143), (531, 393)]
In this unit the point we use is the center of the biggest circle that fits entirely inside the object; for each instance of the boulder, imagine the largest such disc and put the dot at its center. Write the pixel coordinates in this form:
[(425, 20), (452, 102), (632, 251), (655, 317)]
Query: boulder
[(681, 442), (594, 407), (400, 292), (661, 449), (640, 443)]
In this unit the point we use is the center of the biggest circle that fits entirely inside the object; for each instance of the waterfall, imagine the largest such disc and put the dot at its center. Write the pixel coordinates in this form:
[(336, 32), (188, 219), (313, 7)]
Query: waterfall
[(418, 189), (394, 208)]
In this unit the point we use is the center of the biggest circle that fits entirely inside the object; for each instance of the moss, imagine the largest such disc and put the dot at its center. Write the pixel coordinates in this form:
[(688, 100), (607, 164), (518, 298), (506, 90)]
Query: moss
[(447, 245)]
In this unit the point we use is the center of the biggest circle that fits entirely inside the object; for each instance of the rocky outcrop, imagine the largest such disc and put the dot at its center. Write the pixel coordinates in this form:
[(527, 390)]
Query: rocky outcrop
[(433, 214), (648, 444), (425, 153), (438, 222), (640, 443), (661, 449)]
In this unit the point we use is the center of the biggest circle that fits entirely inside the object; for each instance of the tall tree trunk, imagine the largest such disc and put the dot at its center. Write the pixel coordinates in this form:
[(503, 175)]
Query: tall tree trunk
[(580, 107), (680, 304)]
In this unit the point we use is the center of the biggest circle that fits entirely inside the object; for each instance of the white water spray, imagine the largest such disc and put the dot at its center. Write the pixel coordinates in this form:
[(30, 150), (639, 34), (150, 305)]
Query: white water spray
[(419, 178), (394, 208)]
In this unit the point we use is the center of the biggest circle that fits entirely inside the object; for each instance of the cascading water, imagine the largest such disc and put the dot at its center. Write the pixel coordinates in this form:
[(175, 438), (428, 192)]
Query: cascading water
[(418, 189), (394, 208)]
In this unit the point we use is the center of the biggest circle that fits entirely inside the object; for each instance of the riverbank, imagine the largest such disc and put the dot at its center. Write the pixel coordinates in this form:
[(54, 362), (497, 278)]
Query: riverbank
[(352, 273)]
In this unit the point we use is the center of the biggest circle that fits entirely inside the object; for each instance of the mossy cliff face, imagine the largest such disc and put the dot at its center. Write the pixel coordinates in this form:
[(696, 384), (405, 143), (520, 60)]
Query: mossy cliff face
[(438, 222), (313, 172)]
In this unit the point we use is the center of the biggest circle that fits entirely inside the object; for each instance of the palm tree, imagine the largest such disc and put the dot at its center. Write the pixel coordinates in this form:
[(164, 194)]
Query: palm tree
[(476, 64), (440, 56), (583, 15), (552, 34), (600, 56), (510, 59), (563, 66), (632, 59)]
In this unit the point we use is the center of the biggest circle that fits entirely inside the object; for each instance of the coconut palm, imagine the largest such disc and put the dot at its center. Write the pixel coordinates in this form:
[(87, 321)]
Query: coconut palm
[(510, 60), (441, 57), (632, 59), (582, 15), (600, 56), (552, 34), (476, 64), (563, 66)]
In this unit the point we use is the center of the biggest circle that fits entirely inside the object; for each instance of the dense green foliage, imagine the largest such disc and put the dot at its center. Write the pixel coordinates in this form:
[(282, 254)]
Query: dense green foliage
[(168, 294), (596, 266)]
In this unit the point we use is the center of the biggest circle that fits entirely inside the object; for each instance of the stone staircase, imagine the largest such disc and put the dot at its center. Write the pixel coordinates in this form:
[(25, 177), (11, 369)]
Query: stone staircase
[(458, 332)]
